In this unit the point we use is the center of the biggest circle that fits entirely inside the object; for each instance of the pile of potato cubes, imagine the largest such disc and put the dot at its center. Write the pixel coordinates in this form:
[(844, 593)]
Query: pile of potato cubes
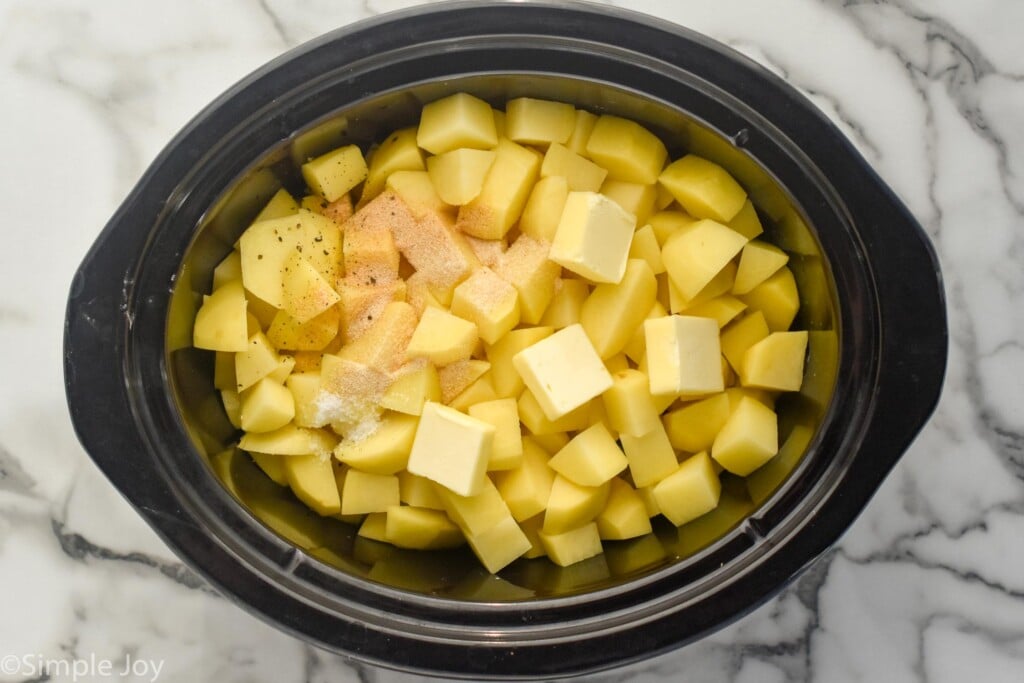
[(526, 330)]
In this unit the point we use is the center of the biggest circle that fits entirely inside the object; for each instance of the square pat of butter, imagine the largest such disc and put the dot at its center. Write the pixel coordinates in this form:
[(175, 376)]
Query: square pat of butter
[(593, 237), (684, 355), (563, 371), (452, 449)]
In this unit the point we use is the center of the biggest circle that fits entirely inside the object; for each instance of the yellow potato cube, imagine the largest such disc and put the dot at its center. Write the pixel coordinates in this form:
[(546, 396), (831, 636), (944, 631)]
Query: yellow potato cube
[(544, 208), (411, 389), (442, 338), (636, 348), (527, 268), (683, 355), (721, 309), (572, 546), (504, 192), (232, 407), (571, 505), (551, 442), (506, 379), (362, 304), (581, 131), (306, 294), (311, 478), (335, 173), (290, 440), (746, 221), (591, 458), (689, 492), (612, 312), (567, 303), (383, 345), (221, 323), (350, 393), (526, 488), (420, 528), (284, 368), (489, 301), (645, 246), (456, 377), (417, 192), (629, 151), (399, 152), (581, 174), (503, 414), (758, 262), (647, 496), (662, 197), (418, 491), (451, 449), (629, 403), (385, 451), (364, 492), (635, 198), (667, 223), (740, 336), (703, 188), (563, 371), (477, 513), (258, 360), (777, 298), (490, 253), (650, 456), (304, 387), (748, 439), (281, 204), (693, 427), (533, 418), (314, 335), (272, 466), (458, 175), (766, 398), (266, 406), (459, 120), (230, 268), (624, 515), (538, 122), (696, 255), (374, 527), (477, 392), (593, 237), (500, 545), (776, 362), (531, 527)]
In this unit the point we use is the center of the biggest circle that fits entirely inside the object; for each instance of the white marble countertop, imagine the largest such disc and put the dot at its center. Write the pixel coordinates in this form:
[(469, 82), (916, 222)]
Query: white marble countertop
[(928, 584)]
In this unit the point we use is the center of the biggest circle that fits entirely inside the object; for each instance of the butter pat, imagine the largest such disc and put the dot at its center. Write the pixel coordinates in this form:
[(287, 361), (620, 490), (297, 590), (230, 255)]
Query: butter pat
[(452, 449), (563, 371), (683, 355), (593, 237)]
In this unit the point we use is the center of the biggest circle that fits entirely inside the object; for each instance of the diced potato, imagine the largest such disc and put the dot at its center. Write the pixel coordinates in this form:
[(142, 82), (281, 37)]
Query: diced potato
[(740, 336), (571, 505), (433, 246), (285, 365), (477, 513), (374, 527), (311, 478), (314, 203), (758, 262), (230, 268), (286, 333), (477, 392), (591, 458), (361, 304), (572, 546), (693, 427), (581, 174), (489, 301), (776, 362), (411, 389), (452, 449), (647, 496), (683, 355), (777, 298), (383, 346), (650, 456), (533, 418), (490, 253), (398, 152), (417, 192), (539, 122), (763, 396), (385, 451), (507, 382), (364, 492), (258, 360), (635, 198), (371, 255), (442, 338), (593, 237), (335, 173), (266, 406), (420, 528), (456, 377), (503, 414), (703, 188), (551, 442), (459, 120), (613, 311), (746, 221), (304, 387), (418, 491), (349, 395), (232, 407), (500, 545), (696, 255), (617, 363), (531, 528), (667, 223), (689, 492), (645, 246), (629, 403), (636, 347), (748, 439), (581, 131), (281, 204), (544, 208), (629, 151), (458, 175), (499, 123), (567, 303), (624, 515), (221, 323), (272, 466), (526, 488), (527, 268), (305, 292), (721, 309), (290, 440), (504, 192)]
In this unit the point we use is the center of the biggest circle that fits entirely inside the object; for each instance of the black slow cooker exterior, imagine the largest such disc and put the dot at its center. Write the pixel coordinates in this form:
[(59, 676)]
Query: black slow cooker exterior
[(885, 287)]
